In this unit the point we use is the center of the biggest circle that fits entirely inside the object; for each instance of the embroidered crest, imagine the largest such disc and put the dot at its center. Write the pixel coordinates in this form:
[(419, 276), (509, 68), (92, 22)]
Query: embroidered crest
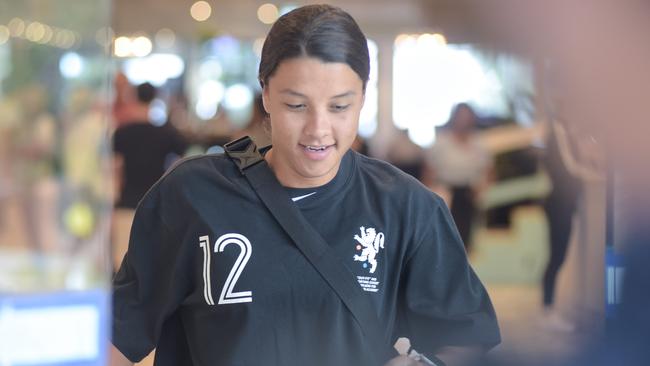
[(369, 244)]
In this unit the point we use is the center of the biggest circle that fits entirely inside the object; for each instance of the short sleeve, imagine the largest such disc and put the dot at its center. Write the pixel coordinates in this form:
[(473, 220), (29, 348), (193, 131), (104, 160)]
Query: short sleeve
[(150, 284), (443, 302)]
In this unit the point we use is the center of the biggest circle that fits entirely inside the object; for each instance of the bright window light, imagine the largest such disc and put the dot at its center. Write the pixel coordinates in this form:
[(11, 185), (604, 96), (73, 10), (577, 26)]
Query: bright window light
[(211, 93), (368, 118), (430, 77), (156, 68), (287, 8), (210, 69), (71, 65), (237, 101), (238, 96)]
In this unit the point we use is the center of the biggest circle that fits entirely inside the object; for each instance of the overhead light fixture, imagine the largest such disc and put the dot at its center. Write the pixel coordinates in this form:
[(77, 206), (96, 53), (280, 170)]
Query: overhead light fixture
[(141, 46), (201, 11), (267, 13)]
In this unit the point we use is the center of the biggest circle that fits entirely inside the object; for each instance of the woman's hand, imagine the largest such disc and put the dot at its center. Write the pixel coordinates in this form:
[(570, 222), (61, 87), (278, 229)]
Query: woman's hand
[(403, 361)]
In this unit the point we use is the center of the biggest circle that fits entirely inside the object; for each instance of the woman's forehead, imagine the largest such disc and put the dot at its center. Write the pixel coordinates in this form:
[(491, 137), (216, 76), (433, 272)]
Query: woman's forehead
[(310, 72), (309, 61)]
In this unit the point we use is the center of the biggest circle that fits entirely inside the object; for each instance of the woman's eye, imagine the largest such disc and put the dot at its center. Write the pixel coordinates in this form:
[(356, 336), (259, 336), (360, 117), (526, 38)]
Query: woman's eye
[(295, 106), (340, 108)]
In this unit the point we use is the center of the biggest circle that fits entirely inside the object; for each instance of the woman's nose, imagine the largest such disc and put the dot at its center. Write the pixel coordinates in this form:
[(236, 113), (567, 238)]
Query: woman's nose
[(318, 124)]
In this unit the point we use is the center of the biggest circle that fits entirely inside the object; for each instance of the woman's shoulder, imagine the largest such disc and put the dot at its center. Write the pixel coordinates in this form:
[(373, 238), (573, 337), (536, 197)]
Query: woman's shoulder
[(198, 169), (390, 180), (216, 163)]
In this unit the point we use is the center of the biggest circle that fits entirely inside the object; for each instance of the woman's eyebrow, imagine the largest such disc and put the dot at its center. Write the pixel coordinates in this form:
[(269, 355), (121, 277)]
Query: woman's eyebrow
[(346, 94), (297, 94), (292, 92)]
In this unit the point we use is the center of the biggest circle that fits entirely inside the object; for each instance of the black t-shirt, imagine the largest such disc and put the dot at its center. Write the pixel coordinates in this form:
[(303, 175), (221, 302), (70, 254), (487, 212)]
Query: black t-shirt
[(205, 249), (147, 151)]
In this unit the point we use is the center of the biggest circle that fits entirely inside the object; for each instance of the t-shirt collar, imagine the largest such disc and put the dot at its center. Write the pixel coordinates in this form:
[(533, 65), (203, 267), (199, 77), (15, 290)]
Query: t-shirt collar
[(308, 196)]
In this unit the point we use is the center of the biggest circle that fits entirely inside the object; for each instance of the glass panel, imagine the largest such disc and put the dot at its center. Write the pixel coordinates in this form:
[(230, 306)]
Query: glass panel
[(55, 186)]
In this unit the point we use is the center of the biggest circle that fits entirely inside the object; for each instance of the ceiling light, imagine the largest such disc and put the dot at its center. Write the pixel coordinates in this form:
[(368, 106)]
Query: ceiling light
[(141, 46), (267, 13), (200, 11)]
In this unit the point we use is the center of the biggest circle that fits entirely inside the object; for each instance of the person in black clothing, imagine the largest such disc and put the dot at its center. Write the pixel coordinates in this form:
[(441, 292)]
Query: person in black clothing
[(210, 278), (142, 153)]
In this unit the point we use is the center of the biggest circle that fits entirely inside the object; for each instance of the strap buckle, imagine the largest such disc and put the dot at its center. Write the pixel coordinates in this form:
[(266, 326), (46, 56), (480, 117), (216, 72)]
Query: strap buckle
[(243, 152)]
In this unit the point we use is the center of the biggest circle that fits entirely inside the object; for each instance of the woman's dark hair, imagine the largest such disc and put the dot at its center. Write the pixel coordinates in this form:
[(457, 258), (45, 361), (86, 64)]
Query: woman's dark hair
[(324, 32), (457, 108), (146, 93)]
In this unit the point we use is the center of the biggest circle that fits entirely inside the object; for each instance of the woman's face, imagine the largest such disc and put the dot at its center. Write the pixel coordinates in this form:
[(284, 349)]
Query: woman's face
[(314, 109), (464, 120)]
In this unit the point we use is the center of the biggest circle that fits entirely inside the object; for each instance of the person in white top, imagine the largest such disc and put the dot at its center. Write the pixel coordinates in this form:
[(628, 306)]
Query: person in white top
[(460, 163)]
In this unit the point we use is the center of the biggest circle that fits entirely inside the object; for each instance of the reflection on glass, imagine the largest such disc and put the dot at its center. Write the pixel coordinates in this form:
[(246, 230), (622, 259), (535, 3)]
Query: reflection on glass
[(54, 184)]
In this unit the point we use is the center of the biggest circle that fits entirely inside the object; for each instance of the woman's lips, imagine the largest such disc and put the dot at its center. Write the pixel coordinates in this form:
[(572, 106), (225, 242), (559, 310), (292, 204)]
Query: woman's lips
[(317, 152)]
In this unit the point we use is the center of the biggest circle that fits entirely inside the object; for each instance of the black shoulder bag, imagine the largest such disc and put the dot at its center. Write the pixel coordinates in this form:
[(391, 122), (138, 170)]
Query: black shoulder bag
[(252, 165)]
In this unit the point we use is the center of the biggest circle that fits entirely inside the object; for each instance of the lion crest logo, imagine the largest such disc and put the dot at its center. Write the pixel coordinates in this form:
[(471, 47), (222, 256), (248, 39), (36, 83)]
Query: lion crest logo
[(369, 244)]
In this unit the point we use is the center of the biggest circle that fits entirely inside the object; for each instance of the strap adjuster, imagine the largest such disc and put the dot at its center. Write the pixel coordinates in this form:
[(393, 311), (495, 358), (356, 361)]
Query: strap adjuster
[(243, 152)]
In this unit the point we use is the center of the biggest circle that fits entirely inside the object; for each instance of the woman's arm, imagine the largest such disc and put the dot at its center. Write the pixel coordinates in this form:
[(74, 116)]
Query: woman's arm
[(116, 358), (573, 165)]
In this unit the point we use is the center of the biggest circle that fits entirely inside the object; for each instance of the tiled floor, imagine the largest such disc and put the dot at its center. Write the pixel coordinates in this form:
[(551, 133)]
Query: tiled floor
[(524, 340)]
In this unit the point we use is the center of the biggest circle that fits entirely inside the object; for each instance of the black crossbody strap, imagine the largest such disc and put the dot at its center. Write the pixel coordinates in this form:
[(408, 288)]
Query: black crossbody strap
[(250, 162)]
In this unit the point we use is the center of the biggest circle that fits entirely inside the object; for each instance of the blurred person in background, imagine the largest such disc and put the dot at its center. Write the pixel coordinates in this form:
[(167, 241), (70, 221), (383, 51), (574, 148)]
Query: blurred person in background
[(460, 163), (84, 161), (83, 143), (406, 155), (569, 160), (142, 153), (35, 141), (125, 103)]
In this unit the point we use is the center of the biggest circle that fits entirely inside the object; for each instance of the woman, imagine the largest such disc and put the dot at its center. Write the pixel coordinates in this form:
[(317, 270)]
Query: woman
[(460, 163), (261, 301)]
